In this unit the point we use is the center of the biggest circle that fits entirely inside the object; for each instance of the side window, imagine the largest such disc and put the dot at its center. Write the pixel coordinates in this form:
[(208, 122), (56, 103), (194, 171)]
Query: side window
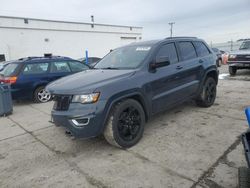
[(201, 49), (35, 68), (168, 50), (59, 67), (77, 66), (187, 50)]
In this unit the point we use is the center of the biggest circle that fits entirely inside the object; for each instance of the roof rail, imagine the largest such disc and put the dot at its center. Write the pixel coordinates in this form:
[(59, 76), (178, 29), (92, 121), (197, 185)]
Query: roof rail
[(181, 37)]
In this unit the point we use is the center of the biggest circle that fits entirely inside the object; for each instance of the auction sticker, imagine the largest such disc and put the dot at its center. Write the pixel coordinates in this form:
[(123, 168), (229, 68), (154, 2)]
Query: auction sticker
[(143, 48)]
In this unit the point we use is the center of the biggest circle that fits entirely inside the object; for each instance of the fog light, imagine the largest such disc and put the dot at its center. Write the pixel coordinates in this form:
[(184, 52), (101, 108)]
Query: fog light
[(80, 122)]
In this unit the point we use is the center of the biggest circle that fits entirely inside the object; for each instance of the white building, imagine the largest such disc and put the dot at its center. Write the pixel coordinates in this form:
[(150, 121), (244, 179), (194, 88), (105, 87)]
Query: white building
[(22, 37)]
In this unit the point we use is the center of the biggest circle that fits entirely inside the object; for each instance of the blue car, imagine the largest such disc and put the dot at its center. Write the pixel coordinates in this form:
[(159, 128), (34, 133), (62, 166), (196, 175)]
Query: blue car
[(29, 76)]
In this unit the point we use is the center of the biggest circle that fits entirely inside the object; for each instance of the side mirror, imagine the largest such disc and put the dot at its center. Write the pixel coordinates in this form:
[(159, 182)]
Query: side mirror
[(160, 62)]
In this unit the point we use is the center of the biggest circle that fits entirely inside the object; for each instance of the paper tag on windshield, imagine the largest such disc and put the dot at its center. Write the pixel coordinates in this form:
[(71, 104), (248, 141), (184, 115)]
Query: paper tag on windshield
[(143, 48)]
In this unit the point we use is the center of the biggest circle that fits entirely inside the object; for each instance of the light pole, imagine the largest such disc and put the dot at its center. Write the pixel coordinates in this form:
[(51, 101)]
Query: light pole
[(171, 28)]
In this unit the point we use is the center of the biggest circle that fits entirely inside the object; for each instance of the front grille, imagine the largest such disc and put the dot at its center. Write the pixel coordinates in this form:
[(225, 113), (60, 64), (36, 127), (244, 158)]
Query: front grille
[(62, 102), (243, 57)]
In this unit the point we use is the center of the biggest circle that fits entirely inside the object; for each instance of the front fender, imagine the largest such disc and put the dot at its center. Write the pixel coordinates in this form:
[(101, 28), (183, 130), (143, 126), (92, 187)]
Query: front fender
[(123, 95)]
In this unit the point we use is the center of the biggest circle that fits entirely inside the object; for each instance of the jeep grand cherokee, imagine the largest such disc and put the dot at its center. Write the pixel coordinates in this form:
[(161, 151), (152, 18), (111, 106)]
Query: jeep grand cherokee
[(133, 83)]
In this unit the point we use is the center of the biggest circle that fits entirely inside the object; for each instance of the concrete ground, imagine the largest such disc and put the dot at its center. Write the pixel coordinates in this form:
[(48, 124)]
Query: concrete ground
[(184, 147)]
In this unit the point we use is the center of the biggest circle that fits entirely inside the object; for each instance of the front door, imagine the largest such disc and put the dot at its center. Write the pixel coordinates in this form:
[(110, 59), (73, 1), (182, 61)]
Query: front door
[(164, 81)]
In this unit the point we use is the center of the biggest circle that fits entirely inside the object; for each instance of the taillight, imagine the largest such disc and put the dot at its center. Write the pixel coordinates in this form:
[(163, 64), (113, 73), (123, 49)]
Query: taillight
[(9, 80)]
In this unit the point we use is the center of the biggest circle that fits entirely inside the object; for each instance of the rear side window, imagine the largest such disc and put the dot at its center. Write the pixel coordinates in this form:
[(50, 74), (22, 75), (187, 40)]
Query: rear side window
[(201, 49), (187, 50), (59, 67), (9, 69), (168, 50), (36, 68), (77, 66)]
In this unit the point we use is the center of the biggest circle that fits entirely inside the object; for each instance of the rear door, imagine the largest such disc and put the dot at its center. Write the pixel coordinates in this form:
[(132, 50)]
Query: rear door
[(31, 75), (204, 55), (189, 68)]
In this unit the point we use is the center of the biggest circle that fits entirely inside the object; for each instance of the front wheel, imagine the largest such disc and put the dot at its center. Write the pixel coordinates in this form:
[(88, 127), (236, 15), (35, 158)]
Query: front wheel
[(208, 94), (125, 125), (232, 70), (41, 95)]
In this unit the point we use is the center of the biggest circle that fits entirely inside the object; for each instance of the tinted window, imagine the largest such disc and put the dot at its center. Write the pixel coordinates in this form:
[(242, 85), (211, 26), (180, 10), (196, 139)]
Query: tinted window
[(245, 45), (35, 68), (201, 49), (168, 50), (9, 69), (76, 66), (59, 67), (187, 50)]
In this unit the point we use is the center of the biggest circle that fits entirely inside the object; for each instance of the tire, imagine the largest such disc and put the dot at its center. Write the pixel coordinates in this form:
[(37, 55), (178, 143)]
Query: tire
[(219, 63), (208, 94), (40, 95), (244, 177), (125, 125), (232, 70)]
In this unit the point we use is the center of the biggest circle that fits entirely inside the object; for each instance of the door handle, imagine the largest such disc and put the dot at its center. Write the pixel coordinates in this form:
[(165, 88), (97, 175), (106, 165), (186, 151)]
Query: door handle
[(179, 67), (201, 61)]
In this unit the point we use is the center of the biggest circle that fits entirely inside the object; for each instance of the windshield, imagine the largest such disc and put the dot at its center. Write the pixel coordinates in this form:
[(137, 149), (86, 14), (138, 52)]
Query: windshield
[(9, 69), (128, 57), (245, 45)]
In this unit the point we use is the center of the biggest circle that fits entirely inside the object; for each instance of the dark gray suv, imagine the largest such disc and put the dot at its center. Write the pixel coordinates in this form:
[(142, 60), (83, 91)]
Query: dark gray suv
[(131, 84)]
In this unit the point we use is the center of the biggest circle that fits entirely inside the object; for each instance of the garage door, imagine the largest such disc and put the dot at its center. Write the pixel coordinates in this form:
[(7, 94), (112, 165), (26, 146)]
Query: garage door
[(127, 40)]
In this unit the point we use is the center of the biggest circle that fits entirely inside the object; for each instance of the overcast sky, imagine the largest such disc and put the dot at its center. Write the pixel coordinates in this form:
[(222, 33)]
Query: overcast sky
[(213, 20)]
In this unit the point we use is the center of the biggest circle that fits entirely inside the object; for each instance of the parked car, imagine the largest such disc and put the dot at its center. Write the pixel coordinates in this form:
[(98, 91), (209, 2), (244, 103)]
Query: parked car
[(239, 59), (92, 61), (219, 56), (244, 172), (29, 76), (134, 83)]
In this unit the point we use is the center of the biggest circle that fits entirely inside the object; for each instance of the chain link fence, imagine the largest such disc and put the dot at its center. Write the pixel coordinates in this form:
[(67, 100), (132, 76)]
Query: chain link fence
[(227, 46)]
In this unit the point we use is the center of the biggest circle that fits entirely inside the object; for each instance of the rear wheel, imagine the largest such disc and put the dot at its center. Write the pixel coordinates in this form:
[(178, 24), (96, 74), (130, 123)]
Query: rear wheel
[(208, 94), (125, 124), (41, 95), (244, 177), (232, 70)]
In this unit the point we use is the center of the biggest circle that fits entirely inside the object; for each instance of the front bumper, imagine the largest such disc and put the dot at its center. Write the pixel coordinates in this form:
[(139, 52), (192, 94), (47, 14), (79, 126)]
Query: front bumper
[(243, 64), (82, 120), (246, 144)]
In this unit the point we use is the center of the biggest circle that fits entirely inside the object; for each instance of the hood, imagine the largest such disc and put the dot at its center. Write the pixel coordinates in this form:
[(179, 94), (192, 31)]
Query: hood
[(87, 81), (240, 52)]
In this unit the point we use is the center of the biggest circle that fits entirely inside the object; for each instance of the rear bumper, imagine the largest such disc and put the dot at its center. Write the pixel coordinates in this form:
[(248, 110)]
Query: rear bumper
[(246, 143), (82, 120)]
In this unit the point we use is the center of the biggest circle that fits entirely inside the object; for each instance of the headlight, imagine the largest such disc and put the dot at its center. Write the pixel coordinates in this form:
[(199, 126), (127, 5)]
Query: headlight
[(231, 56), (89, 98)]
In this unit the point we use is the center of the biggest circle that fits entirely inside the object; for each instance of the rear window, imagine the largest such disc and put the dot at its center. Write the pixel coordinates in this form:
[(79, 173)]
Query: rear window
[(187, 50), (35, 68), (9, 69), (201, 49)]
